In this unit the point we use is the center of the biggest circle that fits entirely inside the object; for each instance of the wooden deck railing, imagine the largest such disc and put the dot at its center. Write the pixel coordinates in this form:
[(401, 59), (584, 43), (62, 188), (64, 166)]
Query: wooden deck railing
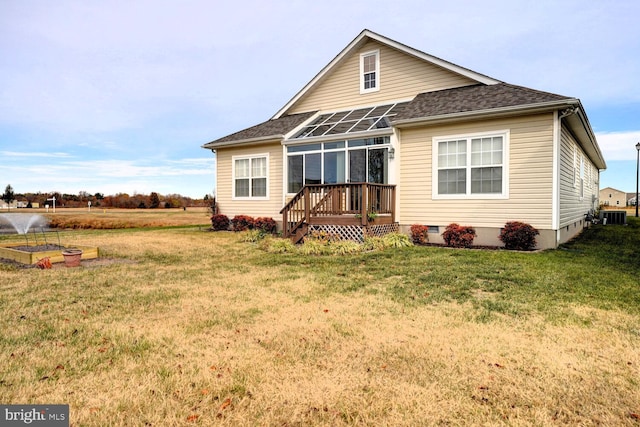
[(339, 204)]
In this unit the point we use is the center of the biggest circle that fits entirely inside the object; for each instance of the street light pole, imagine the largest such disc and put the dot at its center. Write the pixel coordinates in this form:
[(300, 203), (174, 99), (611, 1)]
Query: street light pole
[(637, 175)]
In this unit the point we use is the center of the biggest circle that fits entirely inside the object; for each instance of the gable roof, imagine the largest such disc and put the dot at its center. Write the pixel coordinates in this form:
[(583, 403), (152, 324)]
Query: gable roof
[(488, 98), (363, 38)]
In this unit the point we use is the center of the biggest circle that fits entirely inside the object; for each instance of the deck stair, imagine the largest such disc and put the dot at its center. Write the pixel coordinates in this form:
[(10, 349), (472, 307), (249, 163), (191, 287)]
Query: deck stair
[(350, 210)]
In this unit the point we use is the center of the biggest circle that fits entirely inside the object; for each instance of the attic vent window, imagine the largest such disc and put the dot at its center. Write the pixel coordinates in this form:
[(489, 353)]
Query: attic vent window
[(350, 121), (370, 71)]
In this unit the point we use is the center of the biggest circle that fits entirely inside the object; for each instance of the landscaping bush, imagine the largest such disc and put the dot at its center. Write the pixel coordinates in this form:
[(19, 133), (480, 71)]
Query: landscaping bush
[(242, 222), (396, 240), (458, 236), (519, 236), (265, 224), (419, 234), (219, 222)]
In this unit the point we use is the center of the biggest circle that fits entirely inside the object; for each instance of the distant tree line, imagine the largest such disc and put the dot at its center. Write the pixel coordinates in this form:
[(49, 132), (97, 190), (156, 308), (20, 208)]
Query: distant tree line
[(119, 200)]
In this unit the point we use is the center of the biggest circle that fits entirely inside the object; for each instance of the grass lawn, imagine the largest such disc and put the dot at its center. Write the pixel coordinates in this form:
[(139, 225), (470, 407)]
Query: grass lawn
[(200, 328)]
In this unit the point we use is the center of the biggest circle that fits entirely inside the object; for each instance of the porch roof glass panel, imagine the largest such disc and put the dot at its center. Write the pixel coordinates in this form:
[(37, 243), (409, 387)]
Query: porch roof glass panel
[(348, 121)]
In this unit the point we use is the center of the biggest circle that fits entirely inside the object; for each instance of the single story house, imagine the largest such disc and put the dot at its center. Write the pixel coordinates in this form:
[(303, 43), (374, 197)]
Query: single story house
[(611, 197), (386, 136)]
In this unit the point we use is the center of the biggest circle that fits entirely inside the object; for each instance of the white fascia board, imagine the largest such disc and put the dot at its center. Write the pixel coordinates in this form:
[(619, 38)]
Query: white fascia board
[(433, 59), (243, 142), (399, 46), (594, 148), (339, 137)]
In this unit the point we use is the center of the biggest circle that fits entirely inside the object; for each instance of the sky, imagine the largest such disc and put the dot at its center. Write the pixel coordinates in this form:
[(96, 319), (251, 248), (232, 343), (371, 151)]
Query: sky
[(119, 96)]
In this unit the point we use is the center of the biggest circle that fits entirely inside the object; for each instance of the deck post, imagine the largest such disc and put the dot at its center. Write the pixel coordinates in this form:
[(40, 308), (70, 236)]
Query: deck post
[(307, 209), (393, 205), (364, 203), (285, 223)]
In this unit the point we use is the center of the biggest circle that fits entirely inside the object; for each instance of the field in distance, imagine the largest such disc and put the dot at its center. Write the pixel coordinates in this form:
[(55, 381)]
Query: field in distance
[(98, 218)]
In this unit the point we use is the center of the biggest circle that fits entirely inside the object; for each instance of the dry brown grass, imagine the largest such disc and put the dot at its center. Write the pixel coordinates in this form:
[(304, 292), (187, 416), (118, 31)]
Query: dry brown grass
[(124, 218), (197, 332)]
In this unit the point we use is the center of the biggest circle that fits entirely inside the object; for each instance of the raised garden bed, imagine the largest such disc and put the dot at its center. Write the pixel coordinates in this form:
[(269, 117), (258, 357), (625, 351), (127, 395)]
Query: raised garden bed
[(31, 254)]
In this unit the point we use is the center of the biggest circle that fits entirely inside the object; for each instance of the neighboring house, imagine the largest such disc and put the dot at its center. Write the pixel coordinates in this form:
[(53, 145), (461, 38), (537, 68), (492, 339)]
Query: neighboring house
[(387, 135), (612, 197), (631, 199)]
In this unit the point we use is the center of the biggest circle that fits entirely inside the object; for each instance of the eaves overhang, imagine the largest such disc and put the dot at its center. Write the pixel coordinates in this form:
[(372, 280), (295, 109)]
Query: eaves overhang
[(487, 113), (243, 142), (579, 124)]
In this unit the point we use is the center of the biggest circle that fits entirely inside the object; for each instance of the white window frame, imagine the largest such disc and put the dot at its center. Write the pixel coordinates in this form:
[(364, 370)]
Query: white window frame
[(582, 166), (505, 134), (233, 176), (346, 149), (575, 166), (364, 55)]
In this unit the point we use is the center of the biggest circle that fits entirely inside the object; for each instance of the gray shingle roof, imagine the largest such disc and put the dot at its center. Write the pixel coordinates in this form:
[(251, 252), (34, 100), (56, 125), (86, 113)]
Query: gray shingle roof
[(275, 128), (474, 98), (428, 104)]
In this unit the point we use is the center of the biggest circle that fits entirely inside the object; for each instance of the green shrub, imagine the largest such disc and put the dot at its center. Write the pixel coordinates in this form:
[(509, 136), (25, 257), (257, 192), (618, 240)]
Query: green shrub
[(278, 246), (345, 247), (396, 240), (519, 236), (373, 244), (314, 247), (253, 236)]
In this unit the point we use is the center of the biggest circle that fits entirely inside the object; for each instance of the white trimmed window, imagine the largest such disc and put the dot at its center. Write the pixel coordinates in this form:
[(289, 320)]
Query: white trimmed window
[(370, 71), (471, 166), (250, 177)]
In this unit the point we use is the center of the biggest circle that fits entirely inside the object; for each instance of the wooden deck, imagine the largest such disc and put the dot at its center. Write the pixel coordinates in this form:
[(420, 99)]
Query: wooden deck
[(358, 204)]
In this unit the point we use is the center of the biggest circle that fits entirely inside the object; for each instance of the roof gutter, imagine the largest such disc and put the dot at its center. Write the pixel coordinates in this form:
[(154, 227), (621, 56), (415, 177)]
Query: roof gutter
[(492, 112), (248, 141)]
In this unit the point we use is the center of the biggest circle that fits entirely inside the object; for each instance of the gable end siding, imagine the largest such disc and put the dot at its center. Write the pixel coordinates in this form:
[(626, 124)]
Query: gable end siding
[(401, 77), (572, 206)]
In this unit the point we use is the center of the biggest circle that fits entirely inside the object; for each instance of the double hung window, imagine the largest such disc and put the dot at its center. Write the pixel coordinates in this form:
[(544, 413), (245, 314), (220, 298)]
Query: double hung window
[(370, 71), (250, 177), (470, 166)]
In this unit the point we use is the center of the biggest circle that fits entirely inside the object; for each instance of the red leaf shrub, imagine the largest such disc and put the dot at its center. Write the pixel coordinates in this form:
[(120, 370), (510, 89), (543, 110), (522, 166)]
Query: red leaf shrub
[(519, 236), (419, 234), (242, 222), (265, 224), (219, 222), (459, 236)]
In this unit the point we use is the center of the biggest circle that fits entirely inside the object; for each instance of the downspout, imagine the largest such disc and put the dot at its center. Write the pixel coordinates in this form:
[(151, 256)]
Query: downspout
[(555, 186)]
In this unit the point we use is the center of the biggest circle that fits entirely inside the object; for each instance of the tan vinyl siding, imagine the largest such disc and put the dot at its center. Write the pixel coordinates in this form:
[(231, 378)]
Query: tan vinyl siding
[(572, 206), (401, 77), (612, 197), (530, 177), (225, 182)]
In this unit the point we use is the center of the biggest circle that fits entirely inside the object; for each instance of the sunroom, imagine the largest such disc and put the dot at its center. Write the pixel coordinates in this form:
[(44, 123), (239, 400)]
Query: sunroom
[(338, 172)]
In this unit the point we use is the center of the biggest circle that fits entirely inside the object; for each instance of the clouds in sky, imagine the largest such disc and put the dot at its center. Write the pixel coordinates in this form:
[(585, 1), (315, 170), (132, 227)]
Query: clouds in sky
[(124, 93)]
